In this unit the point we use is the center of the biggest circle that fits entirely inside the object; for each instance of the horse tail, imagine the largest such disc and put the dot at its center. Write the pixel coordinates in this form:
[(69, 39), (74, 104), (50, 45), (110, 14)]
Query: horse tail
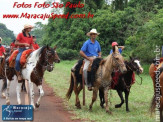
[(153, 104), (69, 92), (4, 87)]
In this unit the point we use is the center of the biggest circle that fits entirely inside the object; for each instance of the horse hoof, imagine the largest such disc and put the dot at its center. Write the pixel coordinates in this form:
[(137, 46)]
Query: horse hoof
[(3, 95), (117, 106), (37, 105), (109, 112), (127, 110), (102, 106), (7, 102)]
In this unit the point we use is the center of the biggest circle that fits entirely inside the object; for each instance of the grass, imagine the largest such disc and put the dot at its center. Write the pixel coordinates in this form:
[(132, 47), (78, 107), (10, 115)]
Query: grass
[(139, 99)]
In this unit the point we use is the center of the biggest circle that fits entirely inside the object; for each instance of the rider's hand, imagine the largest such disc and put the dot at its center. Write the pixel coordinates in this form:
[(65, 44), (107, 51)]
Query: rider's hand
[(90, 59), (26, 45)]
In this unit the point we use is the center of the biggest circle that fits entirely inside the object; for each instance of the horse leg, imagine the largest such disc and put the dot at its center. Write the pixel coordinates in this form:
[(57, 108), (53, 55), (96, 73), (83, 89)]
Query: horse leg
[(4, 88), (126, 100), (18, 91), (8, 95), (78, 92), (122, 99), (77, 103), (31, 93), (94, 97), (106, 100), (41, 95), (102, 100)]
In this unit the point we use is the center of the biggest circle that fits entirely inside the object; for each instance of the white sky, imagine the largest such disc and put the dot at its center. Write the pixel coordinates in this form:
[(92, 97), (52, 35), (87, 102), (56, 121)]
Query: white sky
[(16, 25)]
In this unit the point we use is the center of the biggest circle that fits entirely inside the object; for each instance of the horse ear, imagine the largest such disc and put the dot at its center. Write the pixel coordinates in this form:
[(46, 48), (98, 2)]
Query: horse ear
[(55, 47), (131, 58), (47, 46), (113, 49)]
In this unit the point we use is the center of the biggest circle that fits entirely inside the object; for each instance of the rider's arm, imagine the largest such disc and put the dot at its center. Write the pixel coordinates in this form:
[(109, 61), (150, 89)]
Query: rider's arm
[(84, 56), (17, 43), (99, 54), (122, 47)]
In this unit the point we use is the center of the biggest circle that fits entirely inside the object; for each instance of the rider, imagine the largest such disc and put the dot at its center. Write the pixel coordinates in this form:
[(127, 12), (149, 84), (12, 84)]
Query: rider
[(90, 50), (2, 49), (120, 48), (12, 45), (35, 45), (24, 40)]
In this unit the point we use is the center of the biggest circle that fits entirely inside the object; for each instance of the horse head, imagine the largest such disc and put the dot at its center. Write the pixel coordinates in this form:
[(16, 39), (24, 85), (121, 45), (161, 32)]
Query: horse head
[(118, 60), (135, 65), (49, 56)]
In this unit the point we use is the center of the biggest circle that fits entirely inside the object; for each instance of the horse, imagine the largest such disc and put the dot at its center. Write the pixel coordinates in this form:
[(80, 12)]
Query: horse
[(39, 60), (124, 82), (156, 74), (102, 80), (2, 71)]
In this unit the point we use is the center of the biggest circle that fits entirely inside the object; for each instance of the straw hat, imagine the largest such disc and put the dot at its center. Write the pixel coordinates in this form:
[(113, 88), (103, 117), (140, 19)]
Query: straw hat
[(0, 38), (92, 31), (27, 26)]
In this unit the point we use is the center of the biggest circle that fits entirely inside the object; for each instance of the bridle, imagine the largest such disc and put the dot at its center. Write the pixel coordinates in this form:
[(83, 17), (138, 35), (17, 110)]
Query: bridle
[(116, 62), (47, 64)]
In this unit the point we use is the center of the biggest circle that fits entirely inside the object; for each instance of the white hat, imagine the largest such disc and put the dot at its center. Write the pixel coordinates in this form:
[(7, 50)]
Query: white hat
[(0, 38), (92, 31), (27, 26)]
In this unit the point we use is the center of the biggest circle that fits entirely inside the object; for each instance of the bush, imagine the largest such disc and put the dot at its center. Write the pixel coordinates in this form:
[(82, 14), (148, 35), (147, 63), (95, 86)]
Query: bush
[(67, 54)]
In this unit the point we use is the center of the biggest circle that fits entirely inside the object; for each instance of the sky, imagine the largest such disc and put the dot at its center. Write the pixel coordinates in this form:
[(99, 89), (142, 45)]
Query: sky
[(16, 25)]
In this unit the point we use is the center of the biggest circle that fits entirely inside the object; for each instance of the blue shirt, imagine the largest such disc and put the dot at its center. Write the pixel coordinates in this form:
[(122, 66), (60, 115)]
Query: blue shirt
[(120, 51), (91, 49)]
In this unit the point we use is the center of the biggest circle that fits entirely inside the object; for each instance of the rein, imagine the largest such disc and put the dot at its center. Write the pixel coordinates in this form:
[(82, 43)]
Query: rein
[(46, 60)]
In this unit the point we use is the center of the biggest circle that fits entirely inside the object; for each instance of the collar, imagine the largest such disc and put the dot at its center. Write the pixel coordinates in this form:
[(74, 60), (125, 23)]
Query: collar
[(91, 41), (26, 35)]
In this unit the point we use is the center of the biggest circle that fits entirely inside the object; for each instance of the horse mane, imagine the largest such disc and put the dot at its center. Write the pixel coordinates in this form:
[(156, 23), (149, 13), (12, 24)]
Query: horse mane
[(95, 65), (77, 70), (34, 56)]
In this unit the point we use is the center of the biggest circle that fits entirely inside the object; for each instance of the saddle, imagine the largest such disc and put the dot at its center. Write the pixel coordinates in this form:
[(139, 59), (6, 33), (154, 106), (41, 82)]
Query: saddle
[(23, 58)]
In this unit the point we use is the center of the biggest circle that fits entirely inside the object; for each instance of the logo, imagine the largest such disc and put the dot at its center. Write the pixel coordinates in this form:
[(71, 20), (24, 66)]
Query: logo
[(17, 112)]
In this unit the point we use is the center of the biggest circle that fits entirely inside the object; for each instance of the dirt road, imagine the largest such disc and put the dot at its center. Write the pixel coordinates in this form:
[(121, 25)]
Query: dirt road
[(51, 108)]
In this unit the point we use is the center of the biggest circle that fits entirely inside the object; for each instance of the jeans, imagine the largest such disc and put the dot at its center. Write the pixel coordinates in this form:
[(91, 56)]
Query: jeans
[(17, 63)]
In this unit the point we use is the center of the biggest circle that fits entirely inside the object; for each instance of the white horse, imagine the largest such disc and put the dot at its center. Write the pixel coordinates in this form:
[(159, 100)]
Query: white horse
[(39, 60)]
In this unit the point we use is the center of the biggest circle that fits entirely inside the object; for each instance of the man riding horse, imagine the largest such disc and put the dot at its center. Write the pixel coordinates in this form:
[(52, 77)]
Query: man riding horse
[(2, 49), (89, 51)]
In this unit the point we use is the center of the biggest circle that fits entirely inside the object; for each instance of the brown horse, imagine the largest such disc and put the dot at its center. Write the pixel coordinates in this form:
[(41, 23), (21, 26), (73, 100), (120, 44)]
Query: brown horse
[(2, 71), (38, 61), (156, 73), (103, 77)]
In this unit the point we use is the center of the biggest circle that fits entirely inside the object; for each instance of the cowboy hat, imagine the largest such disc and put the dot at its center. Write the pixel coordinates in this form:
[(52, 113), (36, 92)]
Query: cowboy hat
[(92, 31), (27, 26), (0, 38)]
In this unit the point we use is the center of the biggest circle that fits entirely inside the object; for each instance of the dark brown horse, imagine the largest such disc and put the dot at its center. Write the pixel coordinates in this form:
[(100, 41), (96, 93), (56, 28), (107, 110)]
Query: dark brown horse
[(156, 73), (38, 61), (124, 82), (103, 78)]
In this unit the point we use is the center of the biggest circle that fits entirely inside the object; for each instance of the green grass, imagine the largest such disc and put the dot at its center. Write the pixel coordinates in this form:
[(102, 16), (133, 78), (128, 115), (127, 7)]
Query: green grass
[(139, 99)]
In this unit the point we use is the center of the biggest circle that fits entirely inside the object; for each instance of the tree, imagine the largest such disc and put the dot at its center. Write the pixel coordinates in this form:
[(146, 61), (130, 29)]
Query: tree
[(6, 34)]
